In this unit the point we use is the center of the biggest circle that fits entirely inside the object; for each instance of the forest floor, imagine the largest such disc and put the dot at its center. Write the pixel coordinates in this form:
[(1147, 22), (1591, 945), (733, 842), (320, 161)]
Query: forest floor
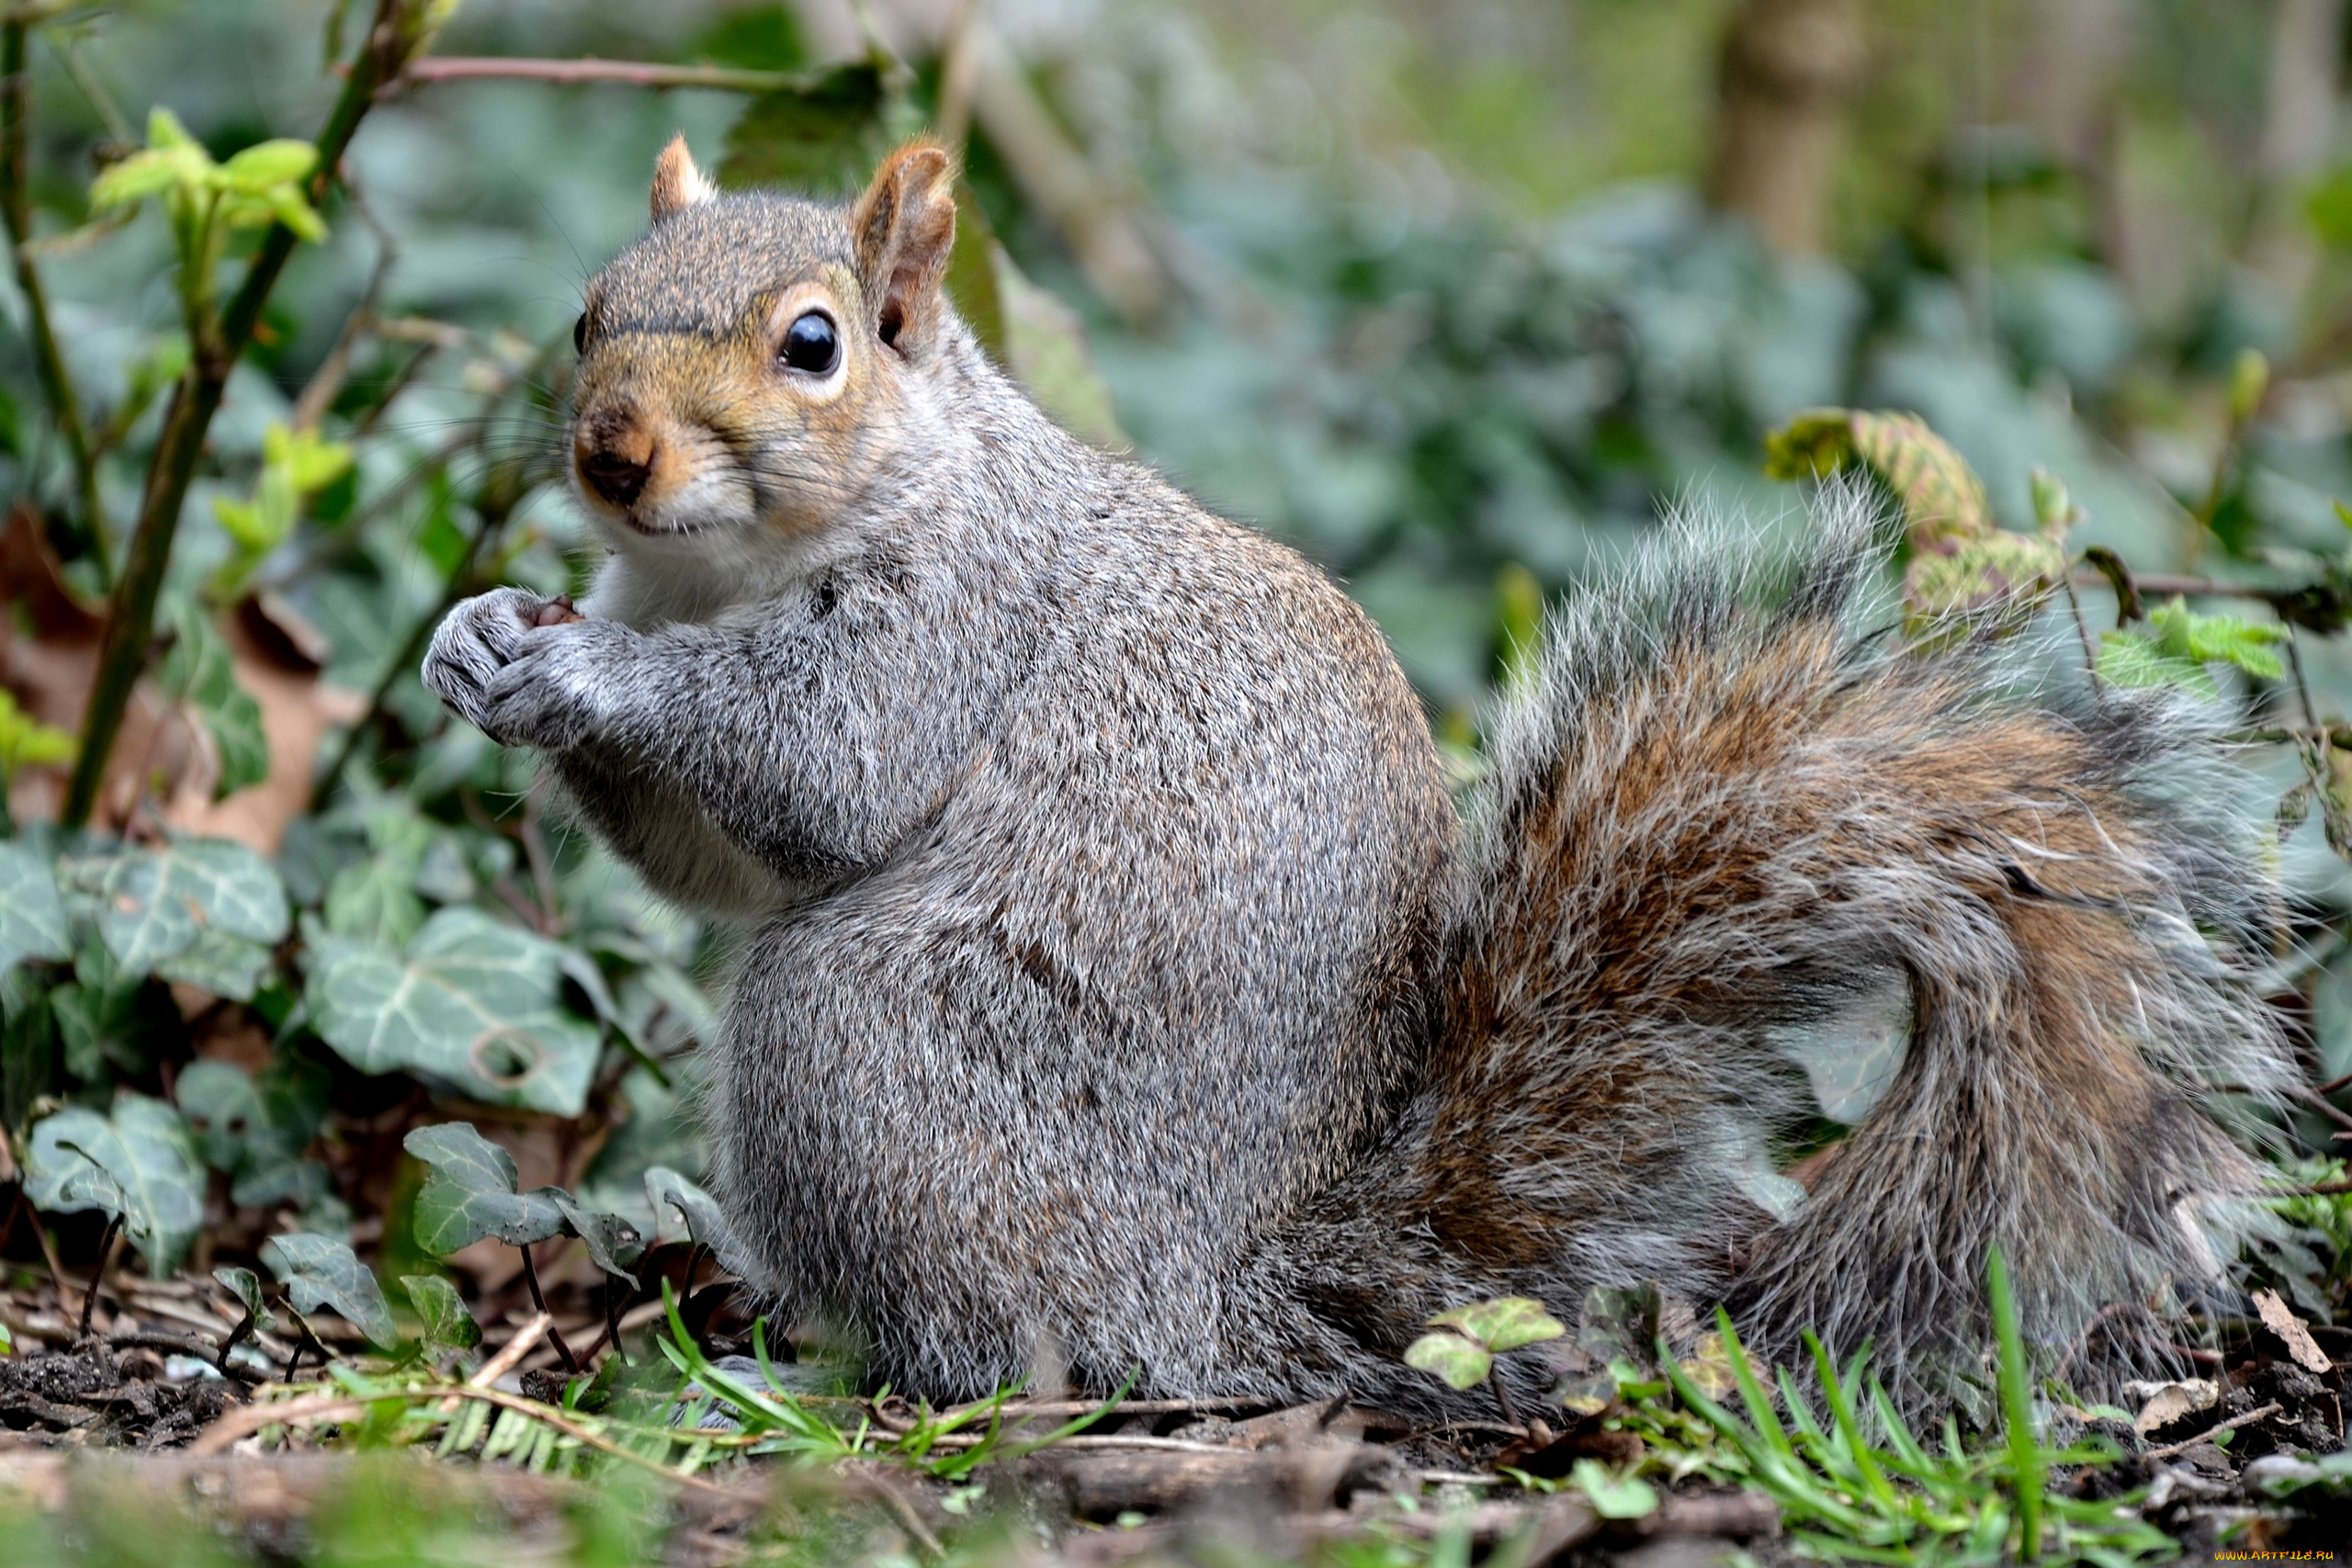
[(132, 1427)]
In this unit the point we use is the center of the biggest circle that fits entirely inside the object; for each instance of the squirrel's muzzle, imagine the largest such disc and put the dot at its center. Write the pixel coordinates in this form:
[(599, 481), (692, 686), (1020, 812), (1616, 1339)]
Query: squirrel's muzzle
[(613, 459)]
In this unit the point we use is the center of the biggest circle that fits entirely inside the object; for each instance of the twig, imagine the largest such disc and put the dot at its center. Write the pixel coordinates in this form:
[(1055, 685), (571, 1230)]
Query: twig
[(880, 1487), (2321, 1103), (2332, 1085), (539, 1302), (588, 71), (48, 1246), (2171, 1449), (49, 364), (510, 1355), (2118, 576), (2303, 689), (214, 352), (98, 1275), (2083, 630), (319, 393)]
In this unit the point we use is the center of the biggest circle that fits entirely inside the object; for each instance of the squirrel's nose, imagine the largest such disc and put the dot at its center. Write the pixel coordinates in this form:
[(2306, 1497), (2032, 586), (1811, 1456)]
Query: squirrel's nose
[(615, 467)]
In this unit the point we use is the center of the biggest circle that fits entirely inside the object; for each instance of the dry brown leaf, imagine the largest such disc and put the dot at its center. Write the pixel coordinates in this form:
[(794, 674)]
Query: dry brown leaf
[(2281, 1319), (2170, 1402), (297, 713)]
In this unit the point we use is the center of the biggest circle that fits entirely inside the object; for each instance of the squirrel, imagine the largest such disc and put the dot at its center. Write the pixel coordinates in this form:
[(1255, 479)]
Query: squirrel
[(1120, 983)]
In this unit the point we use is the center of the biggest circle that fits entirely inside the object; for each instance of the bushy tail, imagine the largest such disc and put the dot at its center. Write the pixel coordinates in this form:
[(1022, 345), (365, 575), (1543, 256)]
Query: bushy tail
[(1733, 852)]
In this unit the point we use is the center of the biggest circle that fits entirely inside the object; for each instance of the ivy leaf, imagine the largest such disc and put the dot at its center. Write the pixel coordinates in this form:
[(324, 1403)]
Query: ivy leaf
[(473, 1003), (199, 671), (220, 964), (153, 903), (469, 1192), (32, 917), (612, 1242), (442, 1311), (318, 1270), (1504, 1324), (137, 1162), (1462, 1363), (222, 1109), (245, 1285)]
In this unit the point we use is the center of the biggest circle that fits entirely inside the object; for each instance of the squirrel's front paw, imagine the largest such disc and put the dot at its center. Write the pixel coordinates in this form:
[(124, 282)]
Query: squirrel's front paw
[(556, 688), (473, 643)]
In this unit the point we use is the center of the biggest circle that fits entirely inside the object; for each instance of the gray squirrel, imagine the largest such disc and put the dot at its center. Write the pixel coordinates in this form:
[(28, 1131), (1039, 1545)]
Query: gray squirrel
[(1120, 983)]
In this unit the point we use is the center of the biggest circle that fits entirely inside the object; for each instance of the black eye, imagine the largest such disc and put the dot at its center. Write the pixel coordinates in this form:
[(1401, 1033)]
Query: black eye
[(811, 345), (580, 335)]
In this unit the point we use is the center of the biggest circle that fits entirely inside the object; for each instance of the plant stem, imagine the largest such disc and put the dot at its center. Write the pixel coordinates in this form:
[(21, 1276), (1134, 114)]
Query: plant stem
[(539, 1302), (130, 613), (49, 364), (97, 1275), (576, 72)]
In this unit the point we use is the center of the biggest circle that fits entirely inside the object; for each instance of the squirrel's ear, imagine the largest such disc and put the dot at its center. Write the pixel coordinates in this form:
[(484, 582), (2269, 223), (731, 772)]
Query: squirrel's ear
[(904, 226), (677, 183)]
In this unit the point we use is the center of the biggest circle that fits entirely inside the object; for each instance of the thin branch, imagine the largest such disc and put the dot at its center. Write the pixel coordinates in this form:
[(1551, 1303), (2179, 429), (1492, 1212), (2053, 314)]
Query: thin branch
[(2173, 1450), (130, 614), (589, 71), (48, 362)]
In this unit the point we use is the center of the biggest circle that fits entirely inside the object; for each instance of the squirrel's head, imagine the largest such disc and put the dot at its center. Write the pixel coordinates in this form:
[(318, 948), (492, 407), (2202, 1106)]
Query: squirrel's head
[(750, 368)]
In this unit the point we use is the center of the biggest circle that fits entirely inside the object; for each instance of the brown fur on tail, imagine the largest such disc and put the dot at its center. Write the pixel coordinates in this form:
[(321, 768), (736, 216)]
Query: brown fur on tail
[(1724, 825)]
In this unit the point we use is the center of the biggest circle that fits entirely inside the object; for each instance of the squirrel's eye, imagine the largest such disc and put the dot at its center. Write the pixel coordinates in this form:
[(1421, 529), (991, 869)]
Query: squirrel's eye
[(580, 335), (811, 345)]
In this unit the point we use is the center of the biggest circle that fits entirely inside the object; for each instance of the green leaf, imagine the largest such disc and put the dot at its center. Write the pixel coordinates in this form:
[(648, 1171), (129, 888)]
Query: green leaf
[(1939, 492), (222, 1109), (821, 139), (267, 163), (245, 1285), (443, 1312), (220, 965), (137, 1162), (319, 1271), (372, 900), (2129, 657), (1613, 1496), (666, 1191), (289, 206), (1504, 1324), (165, 130), (1461, 1362), (1993, 583), (613, 1244), (469, 1192), (153, 903), (2176, 644), (109, 1021), (200, 672), (472, 1002), (145, 174), (25, 741), (32, 917), (1046, 351)]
